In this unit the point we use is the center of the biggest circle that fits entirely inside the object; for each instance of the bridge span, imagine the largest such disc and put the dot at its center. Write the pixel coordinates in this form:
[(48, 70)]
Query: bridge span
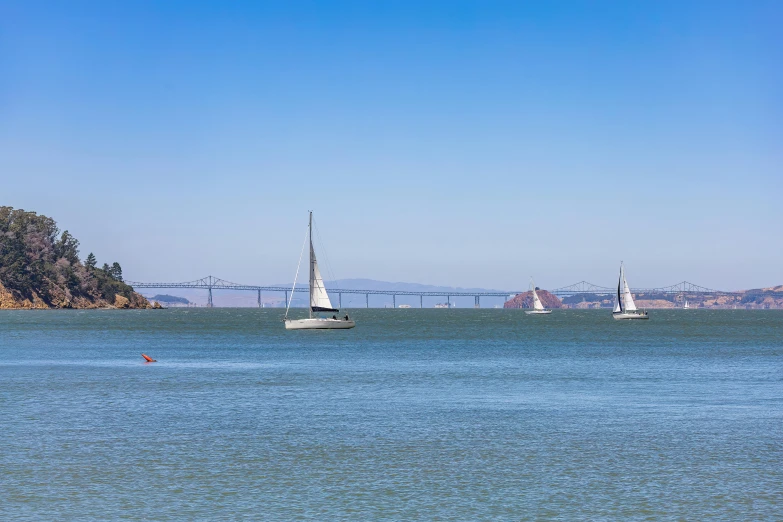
[(211, 283)]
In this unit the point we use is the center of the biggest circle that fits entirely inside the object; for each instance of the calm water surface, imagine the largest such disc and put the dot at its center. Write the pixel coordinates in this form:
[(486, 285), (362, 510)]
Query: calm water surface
[(413, 415)]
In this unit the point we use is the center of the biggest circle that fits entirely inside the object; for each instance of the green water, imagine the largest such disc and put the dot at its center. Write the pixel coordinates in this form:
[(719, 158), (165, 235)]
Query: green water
[(413, 415)]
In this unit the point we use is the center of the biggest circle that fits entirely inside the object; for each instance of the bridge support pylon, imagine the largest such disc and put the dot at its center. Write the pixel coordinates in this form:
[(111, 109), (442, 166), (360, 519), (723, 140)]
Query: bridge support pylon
[(477, 302), (209, 298), (259, 298), (367, 299)]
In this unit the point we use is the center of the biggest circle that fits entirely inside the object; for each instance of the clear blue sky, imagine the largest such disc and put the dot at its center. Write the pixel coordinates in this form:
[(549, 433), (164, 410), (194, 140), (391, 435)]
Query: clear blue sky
[(456, 143)]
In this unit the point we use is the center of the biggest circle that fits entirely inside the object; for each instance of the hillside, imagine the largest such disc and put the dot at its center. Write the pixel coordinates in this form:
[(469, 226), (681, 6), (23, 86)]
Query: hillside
[(40, 268), (525, 300)]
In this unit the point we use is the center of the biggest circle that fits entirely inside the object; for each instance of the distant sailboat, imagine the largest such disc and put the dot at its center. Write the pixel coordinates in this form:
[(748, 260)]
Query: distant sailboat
[(538, 307), (319, 300), (686, 305), (624, 307)]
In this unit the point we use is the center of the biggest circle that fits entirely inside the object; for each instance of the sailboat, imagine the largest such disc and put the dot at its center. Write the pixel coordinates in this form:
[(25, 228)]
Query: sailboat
[(319, 299), (538, 307), (686, 305), (624, 307)]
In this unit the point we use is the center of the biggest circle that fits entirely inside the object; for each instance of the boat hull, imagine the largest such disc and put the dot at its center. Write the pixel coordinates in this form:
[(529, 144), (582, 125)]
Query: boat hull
[(629, 315), (538, 312), (319, 324)]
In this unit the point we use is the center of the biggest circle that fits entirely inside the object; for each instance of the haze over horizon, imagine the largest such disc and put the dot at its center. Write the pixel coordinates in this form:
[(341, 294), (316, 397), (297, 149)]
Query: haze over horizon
[(469, 144)]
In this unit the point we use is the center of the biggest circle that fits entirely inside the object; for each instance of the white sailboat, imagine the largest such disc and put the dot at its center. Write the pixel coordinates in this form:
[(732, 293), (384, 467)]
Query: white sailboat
[(538, 307), (686, 305), (319, 299), (624, 307)]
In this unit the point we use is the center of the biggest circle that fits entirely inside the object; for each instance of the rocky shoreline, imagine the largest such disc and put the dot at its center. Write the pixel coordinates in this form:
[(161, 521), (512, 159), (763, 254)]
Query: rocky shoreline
[(9, 301)]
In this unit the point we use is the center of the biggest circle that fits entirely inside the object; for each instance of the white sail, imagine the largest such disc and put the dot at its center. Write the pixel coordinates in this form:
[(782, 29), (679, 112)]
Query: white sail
[(628, 304), (624, 307), (618, 304), (319, 299), (536, 301)]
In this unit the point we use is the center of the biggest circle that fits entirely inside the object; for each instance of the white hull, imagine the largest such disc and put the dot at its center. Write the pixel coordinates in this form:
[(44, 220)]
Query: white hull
[(538, 312), (630, 315), (319, 324)]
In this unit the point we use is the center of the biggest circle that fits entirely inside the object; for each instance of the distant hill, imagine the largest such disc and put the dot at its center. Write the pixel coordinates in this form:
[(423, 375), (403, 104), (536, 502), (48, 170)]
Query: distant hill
[(170, 299), (525, 300)]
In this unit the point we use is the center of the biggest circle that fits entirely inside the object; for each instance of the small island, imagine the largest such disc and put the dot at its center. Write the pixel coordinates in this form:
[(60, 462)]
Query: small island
[(40, 268), (171, 300)]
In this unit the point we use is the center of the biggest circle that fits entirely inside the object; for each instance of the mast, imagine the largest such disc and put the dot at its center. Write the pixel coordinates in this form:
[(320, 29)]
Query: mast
[(312, 268)]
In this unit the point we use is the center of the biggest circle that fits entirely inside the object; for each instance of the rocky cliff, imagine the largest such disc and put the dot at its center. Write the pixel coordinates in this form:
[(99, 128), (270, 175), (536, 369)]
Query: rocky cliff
[(40, 268), (525, 300)]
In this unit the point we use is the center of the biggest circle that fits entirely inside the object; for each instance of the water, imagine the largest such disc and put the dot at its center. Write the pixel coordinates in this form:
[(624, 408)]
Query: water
[(413, 415)]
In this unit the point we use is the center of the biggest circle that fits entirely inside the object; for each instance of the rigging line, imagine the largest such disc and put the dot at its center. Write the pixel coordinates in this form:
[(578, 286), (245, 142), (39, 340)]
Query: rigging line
[(288, 305), (324, 261), (322, 248)]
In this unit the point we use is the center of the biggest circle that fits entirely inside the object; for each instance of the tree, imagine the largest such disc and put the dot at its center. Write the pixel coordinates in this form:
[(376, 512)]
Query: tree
[(90, 262), (116, 271), (68, 247)]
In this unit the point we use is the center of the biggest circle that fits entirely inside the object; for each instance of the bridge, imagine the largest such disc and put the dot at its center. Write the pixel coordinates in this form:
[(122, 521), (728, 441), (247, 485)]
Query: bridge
[(211, 283)]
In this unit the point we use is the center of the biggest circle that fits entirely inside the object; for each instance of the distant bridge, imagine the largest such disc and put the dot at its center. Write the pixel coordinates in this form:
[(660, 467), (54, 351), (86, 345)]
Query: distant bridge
[(683, 287), (211, 283)]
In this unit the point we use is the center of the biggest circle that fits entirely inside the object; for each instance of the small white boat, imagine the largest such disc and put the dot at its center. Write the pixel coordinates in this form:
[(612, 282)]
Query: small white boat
[(624, 307), (319, 299), (538, 307), (686, 305)]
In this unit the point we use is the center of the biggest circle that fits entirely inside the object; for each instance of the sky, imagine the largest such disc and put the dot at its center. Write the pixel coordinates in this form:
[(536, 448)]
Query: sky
[(453, 143)]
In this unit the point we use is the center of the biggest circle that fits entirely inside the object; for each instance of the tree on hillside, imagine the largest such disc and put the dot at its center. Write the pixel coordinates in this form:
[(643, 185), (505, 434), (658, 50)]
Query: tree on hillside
[(67, 247), (90, 262), (115, 271)]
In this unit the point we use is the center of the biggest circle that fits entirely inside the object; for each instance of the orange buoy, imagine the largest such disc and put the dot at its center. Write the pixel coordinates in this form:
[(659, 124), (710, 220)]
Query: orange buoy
[(148, 358)]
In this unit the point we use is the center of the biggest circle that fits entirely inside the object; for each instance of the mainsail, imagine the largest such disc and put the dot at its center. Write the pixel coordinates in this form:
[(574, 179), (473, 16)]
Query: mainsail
[(628, 304), (319, 299), (536, 301), (618, 304)]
